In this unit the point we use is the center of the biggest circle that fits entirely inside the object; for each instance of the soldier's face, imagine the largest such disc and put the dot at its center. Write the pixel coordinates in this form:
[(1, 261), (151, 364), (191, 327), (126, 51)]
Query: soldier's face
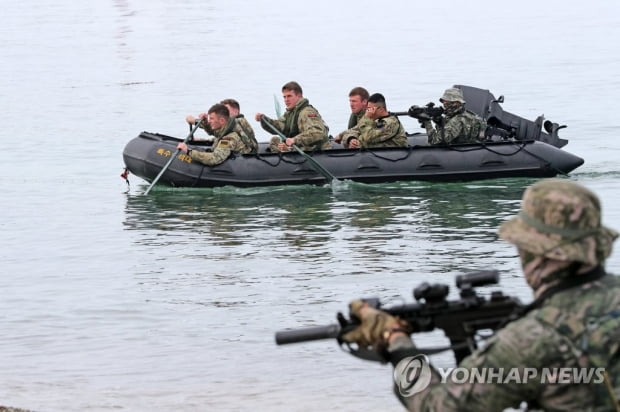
[(450, 105), (216, 121), (357, 104), (290, 98)]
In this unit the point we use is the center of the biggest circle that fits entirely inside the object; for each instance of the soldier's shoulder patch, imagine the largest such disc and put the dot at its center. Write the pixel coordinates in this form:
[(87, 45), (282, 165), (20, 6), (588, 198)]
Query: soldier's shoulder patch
[(313, 114), (223, 144)]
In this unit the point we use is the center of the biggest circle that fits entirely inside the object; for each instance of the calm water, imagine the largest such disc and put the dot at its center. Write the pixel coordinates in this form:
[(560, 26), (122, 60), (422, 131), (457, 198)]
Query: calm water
[(112, 300)]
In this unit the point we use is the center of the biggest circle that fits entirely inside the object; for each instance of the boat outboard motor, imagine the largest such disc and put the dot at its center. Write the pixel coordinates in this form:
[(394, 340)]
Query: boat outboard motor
[(506, 125), (552, 129)]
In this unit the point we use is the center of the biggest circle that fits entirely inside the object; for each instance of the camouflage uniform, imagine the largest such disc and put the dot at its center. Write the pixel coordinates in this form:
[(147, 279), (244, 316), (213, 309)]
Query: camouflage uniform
[(459, 126), (384, 132), (363, 125), (243, 129), (246, 133), (304, 123), (227, 140), (354, 120), (573, 323)]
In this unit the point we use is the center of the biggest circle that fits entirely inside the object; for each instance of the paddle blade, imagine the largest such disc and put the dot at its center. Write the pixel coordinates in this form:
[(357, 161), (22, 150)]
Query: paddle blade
[(277, 106)]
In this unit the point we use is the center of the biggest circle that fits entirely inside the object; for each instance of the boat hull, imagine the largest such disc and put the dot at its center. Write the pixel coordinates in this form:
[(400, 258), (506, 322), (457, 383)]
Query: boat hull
[(147, 154)]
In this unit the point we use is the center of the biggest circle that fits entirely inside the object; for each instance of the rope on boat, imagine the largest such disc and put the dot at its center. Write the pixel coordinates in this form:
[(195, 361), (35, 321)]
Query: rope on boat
[(281, 159), (262, 159), (483, 146), (409, 150)]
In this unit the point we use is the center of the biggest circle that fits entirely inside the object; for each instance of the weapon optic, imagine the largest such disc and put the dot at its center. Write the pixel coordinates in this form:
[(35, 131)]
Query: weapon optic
[(428, 112)]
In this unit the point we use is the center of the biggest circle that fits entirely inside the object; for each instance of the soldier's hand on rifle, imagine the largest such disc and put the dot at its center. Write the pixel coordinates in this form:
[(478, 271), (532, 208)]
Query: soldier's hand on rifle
[(376, 328)]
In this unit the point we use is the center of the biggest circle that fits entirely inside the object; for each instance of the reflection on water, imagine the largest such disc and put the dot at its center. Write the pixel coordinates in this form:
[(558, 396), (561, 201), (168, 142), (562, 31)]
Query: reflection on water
[(320, 232), (231, 215)]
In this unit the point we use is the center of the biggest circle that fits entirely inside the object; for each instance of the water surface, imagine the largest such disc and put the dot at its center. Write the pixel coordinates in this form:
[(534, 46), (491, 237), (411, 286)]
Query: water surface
[(117, 301)]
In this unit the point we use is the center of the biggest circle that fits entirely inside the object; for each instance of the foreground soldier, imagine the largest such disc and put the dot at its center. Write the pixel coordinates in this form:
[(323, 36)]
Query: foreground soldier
[(227, 140), (385, 130), (301, 124), (458, 126), (573, 323)]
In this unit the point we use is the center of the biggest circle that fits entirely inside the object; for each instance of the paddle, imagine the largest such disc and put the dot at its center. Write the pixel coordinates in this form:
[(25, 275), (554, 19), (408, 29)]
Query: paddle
[(317, 166), (276, 103), (189, 136)]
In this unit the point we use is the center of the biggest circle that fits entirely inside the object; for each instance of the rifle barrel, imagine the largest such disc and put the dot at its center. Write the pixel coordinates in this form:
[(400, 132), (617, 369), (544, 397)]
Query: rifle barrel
[(285, 337), (481, 278)]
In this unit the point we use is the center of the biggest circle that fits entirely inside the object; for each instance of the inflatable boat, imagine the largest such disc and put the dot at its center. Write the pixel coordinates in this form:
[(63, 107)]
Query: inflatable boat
[(515, 147)]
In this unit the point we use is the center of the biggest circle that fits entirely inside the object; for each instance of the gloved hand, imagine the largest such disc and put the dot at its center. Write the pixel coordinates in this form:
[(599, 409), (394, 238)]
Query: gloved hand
[(424, 122), (376, 326)]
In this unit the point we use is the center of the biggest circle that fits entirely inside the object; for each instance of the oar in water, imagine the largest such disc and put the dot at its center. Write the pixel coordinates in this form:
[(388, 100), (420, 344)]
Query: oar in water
[(317, 166), (189, 136)]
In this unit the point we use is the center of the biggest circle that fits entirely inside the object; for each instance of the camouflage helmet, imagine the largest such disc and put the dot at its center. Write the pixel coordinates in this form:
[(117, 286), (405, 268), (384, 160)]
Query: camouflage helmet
[(560, 220), (452, 95)]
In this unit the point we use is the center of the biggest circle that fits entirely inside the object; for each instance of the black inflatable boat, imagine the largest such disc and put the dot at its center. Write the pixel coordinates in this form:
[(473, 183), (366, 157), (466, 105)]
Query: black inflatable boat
[(516, 147)]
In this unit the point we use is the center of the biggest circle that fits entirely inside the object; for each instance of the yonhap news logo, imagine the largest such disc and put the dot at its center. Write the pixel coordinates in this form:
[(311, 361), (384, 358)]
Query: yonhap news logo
[(413, 374)]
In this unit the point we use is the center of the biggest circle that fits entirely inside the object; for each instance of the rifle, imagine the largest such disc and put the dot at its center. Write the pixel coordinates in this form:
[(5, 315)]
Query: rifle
[(461, 319), (423, 112)]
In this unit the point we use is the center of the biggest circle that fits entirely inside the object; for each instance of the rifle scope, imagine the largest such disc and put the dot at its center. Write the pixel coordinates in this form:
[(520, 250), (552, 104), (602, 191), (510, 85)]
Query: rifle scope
[(481, 278)]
